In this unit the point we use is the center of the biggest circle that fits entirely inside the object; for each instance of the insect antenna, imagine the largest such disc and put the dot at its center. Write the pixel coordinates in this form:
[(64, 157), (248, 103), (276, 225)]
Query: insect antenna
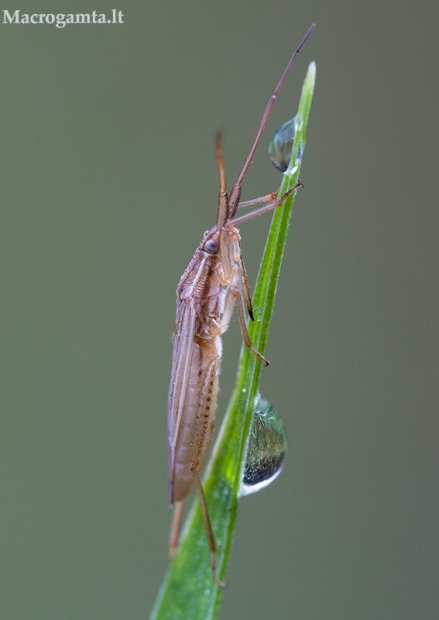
[(223, 200), (236, 189)]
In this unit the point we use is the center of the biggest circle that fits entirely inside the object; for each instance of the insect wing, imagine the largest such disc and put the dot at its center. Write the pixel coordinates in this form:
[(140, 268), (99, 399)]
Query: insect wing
[(181, 366)]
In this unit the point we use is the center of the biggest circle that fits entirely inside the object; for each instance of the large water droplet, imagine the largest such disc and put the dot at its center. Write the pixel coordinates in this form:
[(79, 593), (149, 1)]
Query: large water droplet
[(266, 450), (281, 145)]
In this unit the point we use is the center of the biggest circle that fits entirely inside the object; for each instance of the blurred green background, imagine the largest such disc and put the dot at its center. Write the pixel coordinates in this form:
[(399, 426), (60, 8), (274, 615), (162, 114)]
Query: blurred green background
[(108, 181)]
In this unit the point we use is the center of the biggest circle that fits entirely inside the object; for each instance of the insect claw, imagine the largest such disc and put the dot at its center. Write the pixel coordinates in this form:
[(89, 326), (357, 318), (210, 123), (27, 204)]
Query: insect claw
[(218, 582)]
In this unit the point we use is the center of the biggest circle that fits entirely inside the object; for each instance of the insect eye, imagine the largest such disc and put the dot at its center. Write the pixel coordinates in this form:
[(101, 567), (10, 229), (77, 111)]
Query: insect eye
[(211, 246)]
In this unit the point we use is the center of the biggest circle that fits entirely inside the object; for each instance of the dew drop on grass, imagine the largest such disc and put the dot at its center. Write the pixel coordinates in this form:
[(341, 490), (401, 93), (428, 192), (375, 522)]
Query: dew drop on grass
[(281, 145), (267, 448)]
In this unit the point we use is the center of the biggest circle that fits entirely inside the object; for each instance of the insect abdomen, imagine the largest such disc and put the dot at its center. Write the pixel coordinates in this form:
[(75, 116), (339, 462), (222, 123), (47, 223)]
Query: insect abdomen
[(198, 419)]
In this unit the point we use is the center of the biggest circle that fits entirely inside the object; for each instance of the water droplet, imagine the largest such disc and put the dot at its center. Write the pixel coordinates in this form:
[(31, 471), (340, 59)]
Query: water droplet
[(266, 450), (281, 145)]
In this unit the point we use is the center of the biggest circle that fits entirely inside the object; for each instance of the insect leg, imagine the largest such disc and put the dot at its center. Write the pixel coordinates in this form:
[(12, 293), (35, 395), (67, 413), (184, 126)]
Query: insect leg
[(268, 207), (209, 532), (242, 294), (267, 198), (175, 529), (233, 290)]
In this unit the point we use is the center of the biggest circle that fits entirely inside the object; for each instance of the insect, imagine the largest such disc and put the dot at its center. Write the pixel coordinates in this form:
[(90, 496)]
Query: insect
[(213, 282)]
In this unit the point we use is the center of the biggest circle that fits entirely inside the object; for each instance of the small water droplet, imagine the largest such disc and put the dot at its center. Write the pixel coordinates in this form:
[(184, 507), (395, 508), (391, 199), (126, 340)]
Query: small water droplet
[(266, 450), (281, 145)]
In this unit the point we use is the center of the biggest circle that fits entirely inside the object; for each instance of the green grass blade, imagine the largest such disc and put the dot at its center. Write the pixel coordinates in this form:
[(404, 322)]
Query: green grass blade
[(188, 590)]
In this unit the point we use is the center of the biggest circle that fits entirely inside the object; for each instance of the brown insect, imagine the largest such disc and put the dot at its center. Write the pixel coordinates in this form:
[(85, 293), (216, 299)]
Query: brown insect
[(209, 288)]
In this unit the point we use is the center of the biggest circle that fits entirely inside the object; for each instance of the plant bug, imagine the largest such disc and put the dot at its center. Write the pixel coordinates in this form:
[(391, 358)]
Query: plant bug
[(206, 294)]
